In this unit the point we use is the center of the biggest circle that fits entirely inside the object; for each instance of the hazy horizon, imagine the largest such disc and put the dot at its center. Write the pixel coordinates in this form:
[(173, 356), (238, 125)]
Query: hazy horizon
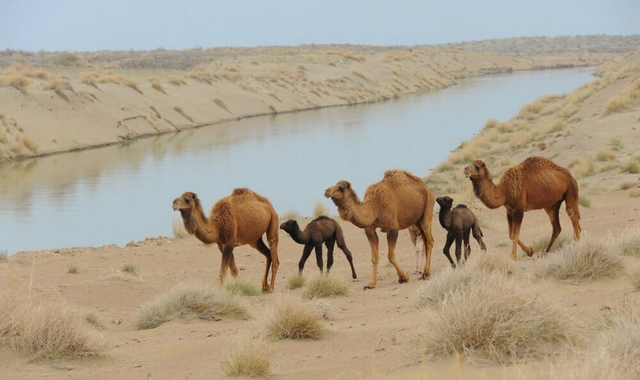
[(66, 25)]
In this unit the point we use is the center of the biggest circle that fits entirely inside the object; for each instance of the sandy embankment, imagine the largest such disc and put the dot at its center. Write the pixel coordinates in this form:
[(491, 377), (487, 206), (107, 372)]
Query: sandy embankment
[(66, 109)]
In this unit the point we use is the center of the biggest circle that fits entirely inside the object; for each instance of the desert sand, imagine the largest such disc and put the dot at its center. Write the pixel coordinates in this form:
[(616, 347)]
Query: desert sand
[(370, 334)]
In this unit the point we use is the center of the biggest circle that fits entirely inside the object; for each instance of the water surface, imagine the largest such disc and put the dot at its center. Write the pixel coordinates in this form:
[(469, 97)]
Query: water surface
[(119, 194)]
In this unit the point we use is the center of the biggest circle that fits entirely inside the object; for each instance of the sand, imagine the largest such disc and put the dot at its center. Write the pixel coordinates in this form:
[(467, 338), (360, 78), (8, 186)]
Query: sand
[(371, 334)]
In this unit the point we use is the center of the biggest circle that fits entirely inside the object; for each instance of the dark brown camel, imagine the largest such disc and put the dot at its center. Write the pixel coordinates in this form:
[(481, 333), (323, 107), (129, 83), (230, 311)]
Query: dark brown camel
[(459, 222), (241, 218), (535, 183), (320, 230)]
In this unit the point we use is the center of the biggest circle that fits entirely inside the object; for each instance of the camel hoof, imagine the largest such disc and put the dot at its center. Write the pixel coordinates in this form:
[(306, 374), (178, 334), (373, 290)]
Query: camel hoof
[(424, 277), (367, 287), (402, 280)]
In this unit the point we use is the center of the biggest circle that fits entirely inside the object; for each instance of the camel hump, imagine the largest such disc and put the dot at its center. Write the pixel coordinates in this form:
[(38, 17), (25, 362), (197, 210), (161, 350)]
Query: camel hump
[(462, 206), (242, 191), (321, 217)]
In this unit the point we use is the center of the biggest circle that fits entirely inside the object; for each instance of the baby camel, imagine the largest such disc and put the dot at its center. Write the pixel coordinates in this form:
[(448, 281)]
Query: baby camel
[(320, 230), (459, 221)]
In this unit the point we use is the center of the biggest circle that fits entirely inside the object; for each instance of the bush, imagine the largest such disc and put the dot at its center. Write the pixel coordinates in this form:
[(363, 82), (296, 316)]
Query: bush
[(242, 288), (324, 286), (498, 319), (289, 318), (583, 261), (248, 357), (295, 282), (185, 300)]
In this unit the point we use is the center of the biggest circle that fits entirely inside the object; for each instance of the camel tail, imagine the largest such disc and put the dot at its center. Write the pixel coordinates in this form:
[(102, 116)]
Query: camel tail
[(476, 227), (572, 201), (340, 236)]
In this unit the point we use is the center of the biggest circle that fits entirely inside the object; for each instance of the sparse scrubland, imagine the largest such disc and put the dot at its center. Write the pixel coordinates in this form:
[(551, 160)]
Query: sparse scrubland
[(573, 313)]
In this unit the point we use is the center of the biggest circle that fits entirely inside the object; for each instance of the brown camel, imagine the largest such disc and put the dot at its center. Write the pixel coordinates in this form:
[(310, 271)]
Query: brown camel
[(535, 183), (397, 202), (459, 222), (320, 230), (239, 219)]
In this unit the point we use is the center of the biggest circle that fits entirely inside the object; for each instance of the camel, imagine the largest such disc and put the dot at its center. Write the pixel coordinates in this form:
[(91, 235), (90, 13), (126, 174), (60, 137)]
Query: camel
[(320, 230), (418, 248), (536, 183), (459, 222), (397, 202), (238, 219)]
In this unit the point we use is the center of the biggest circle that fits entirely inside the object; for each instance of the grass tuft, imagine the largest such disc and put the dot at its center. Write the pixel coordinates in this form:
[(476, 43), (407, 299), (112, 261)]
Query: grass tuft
[(498, 320), (583, 261), (325, 286), (248, 357), (130, 268), (290, 318), (73, 268), (319, 209), (242, 288), (295, 282), (187, 300)]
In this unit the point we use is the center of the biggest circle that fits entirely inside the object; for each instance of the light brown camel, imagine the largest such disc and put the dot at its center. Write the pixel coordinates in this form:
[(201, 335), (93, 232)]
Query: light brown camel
[(239, 219), (397, 202), (535, 183)]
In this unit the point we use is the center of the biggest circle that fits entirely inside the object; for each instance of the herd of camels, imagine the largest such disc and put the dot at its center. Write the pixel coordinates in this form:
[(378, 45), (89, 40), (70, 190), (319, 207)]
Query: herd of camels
[(399, 201)]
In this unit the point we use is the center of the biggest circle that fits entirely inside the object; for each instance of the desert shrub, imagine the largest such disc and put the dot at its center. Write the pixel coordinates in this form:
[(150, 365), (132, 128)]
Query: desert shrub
[(179, 110), (295, 282), (65, 59), (242, 288), (132, 83), (129, 268), (92, 318), (288, 318), (325, 286), (249, 356), (73, 268), (584, 201), (176, 81), (634, 193), (155, 83), (89, 78), (186, 300), (583, 261), (616, 104), (110, 78), (631, 166), (635, 280), (290, 214), (605, 155), (630, 243), (541, 244), (627, 185), (616, 144), (319, 209), (47, 331), (499, 320), (16, 81)]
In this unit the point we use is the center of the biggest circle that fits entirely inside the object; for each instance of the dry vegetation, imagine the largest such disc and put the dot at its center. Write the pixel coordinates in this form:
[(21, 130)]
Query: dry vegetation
[(289, 318)]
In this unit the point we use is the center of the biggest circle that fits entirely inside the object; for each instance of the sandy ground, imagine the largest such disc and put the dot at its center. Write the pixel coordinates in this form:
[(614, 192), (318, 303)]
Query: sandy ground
[(372, 334)]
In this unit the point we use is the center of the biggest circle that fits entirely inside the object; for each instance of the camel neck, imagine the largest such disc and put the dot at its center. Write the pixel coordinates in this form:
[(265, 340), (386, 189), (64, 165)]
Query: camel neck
[(196, 223), (298, 235), (358, 213), (442, 217), (491, 195)]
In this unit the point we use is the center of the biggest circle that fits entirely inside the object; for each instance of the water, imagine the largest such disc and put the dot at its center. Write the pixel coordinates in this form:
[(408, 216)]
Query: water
[(119, 194)]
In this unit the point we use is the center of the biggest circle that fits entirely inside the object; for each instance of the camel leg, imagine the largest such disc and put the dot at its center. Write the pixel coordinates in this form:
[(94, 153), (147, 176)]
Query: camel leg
[(517, 216), (427, 239), (319, 256), (477, 234), (419, 252), (574, 214), (306, 252), (554, 217), (262, 248), (375, 258), (467, 246), (232, 266), (447, 247), (343, 246), (458, 238), (330, 244), (392, 239), (227, 254)]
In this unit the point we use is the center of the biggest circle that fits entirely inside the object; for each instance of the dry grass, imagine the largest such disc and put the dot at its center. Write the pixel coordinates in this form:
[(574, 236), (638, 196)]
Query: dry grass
[(541, 244), (155, 83), (289, 318), (616, 104), (221, 104), (290, 214), (73, 268), (295, 282), (248, 356), (130, 268), (187, 300), (630, 243), (4, 256), (47, 331), (498, 319), (176, 81), (242, 288), (324, 286), (583, 261), (319, 209), (179, 110), (132, 83), (89, 78)]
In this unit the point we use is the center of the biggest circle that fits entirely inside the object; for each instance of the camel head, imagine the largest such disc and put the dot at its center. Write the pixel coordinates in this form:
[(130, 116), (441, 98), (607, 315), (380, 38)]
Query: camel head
[(289, 225), (338, 192), (186, 202), (444, 202), (477, 170)]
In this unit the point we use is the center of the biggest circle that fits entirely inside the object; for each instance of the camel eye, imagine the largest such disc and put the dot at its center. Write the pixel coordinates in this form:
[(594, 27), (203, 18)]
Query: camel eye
[(341, 189), (186, 199), (477, 167)]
